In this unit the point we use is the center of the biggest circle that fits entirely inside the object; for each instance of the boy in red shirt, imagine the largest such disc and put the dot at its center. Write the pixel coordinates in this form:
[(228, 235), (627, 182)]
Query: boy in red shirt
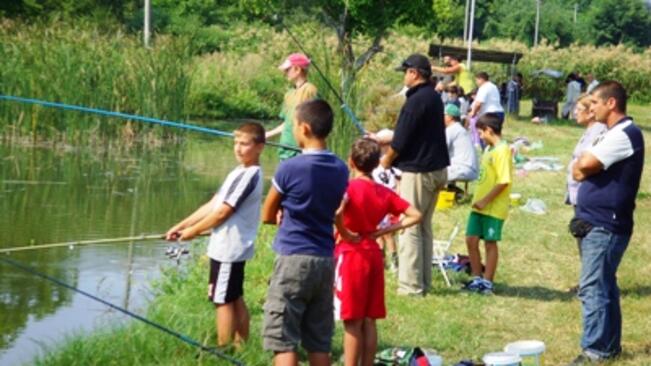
[(359, 271)]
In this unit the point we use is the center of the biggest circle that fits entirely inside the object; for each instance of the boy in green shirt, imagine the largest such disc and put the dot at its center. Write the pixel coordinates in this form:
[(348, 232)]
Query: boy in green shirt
[(490, 203)]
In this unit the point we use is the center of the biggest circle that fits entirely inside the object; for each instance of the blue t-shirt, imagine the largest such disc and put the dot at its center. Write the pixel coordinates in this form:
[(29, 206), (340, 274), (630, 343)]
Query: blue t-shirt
[(312, 186)]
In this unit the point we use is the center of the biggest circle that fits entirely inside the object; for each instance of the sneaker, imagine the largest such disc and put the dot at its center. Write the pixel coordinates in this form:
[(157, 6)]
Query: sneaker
[(586, 358), (487, 287), (480, 286), (474, 285)]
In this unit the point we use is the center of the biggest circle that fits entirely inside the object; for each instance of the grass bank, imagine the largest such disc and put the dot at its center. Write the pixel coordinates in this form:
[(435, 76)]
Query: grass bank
[(538, 264)]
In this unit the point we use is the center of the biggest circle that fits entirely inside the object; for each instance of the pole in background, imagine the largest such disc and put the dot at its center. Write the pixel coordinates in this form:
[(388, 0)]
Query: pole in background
[(576, 10), (147, 21), (535, 36), (471, 26), (465, 22)]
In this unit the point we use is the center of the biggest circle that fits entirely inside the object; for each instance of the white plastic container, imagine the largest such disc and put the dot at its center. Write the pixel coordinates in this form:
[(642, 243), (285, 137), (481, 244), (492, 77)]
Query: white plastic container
[(530, 351), (502, 359)]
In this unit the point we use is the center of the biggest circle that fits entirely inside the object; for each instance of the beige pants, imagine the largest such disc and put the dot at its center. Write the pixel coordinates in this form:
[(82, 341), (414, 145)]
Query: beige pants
[(415, 245)]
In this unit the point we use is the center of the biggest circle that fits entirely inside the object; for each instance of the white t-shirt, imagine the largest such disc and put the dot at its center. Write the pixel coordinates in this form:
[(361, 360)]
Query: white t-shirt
[(489, 97), (613, 145), (460, 147), (232, 241)]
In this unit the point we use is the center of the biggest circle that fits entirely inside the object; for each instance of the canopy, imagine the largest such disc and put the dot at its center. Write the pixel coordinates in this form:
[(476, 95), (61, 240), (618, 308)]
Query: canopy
[(509, 58)]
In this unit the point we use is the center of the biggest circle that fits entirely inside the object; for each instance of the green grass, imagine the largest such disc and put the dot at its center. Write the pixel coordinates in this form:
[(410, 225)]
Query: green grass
[(538, 263)]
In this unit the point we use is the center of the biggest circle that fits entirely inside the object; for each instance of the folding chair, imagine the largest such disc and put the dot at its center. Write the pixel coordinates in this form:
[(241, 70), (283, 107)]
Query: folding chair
[(440, 256)]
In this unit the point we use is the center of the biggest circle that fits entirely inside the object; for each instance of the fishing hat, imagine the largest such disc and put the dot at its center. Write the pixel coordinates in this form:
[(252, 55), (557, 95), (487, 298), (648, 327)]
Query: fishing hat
[(452, 110), (295, 59), (418, 62)]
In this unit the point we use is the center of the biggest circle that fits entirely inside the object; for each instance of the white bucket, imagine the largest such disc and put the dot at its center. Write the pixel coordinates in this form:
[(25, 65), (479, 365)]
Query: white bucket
[(501, 359), (530, 351)]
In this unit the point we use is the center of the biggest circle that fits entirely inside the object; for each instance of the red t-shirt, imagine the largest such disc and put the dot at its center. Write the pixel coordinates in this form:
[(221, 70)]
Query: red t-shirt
[(367, 203)]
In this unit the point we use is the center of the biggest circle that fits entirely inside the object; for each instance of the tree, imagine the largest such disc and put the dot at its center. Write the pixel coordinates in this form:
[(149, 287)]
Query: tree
[(620, 22)]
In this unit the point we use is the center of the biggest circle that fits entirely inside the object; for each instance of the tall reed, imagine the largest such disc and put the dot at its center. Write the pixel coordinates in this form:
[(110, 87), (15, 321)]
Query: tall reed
[(84, 65)]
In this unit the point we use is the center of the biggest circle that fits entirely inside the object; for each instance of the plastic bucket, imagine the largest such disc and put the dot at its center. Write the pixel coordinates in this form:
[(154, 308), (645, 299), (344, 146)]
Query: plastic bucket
[(502, 359), (445, 200), (530, 351)]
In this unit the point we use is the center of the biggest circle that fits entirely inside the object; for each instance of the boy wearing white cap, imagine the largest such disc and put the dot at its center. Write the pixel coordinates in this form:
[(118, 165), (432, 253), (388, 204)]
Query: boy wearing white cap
[(295, 68)]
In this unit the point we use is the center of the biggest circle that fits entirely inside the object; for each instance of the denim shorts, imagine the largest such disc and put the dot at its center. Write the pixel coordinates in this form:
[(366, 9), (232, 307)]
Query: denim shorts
[(299, 306)]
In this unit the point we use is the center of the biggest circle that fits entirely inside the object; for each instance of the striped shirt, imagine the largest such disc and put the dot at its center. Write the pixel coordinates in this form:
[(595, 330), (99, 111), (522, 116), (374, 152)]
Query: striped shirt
[(232, 241)]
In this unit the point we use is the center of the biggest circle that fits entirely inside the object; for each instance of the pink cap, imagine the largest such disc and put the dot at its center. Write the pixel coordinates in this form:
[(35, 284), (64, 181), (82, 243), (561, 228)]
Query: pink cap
[(295, 59)]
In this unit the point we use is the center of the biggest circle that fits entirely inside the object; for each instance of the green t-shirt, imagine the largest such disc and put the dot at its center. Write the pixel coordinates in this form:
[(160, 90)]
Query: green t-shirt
[(293, 98)]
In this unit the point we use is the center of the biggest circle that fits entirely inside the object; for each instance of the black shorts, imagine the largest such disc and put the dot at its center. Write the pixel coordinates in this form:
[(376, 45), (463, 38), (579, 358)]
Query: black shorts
[(225, 281)]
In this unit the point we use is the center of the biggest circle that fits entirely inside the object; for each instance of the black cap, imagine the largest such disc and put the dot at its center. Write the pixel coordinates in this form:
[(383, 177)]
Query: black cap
[(418, 62)]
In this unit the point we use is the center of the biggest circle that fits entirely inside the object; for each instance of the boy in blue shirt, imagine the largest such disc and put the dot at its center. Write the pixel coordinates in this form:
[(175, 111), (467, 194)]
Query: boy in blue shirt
[(305, 194)]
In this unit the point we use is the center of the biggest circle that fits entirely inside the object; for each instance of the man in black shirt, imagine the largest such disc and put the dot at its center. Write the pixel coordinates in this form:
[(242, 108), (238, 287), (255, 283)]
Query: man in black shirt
[(418, 149)]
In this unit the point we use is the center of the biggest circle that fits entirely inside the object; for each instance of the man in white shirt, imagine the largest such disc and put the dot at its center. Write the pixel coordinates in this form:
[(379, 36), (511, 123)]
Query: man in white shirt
[(487, 99), (463, 156)]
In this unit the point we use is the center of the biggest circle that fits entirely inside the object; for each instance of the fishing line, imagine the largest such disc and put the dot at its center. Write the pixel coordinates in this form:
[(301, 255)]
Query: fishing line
[(182, 337), (344, 106), (134, 117)]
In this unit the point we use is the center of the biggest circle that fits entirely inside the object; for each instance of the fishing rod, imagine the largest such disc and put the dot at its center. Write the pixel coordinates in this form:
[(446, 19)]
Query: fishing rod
[(182, 337), (88, 242), (134, 117), (344, 106)]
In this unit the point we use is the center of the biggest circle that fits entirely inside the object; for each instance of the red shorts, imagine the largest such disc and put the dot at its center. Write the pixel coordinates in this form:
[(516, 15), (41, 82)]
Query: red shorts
[(359, 285)]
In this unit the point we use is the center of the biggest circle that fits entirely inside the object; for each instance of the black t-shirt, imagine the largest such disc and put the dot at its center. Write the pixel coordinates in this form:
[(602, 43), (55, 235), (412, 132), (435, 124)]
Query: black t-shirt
[(419, 136)]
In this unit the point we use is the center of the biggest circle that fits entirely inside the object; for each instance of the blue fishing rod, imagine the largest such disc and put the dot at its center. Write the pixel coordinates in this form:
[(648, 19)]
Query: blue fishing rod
[(134, 117), (344, 106), (212, 350)]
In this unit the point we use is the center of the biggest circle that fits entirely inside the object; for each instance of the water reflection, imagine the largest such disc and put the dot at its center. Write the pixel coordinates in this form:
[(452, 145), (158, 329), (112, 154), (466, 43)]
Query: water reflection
[(58, 195)]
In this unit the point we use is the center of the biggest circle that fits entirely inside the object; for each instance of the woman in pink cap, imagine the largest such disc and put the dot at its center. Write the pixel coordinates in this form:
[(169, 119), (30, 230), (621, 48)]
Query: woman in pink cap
[(295, 68)]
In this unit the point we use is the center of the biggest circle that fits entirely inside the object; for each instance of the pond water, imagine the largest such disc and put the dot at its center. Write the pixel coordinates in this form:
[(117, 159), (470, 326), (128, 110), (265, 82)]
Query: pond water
[(51, 195)]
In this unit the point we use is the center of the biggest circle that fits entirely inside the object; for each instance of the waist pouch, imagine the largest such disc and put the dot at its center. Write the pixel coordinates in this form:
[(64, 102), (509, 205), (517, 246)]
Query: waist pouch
[(579, 228)]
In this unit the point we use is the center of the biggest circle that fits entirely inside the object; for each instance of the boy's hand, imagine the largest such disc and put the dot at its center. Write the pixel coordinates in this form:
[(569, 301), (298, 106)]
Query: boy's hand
[(173, 234), (350, 236), (186, 234), (480, 205)]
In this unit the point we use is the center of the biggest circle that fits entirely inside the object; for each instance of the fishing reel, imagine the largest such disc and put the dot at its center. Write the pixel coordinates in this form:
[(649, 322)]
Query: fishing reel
[(175, 252)]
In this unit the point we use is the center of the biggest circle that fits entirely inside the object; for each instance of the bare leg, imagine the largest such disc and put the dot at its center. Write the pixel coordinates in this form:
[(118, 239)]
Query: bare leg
[(242, 317), (472, 242), (370, 342), (319, 359), (353, 341), (286, 359), (491, 260), (225, 322), (390, 243)]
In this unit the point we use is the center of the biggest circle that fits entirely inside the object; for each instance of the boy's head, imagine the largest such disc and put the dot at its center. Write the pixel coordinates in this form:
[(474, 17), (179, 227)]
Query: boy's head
[(452, 114), (249, 140), (365, 155), (313, 120), (489, 126)]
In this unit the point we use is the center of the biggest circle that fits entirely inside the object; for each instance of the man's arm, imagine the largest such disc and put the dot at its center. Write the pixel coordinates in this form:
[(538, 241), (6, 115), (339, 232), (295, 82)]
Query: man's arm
[(276, 131), (586, 165), (447, 70), (271, 207), (388, 158), (476, 106)]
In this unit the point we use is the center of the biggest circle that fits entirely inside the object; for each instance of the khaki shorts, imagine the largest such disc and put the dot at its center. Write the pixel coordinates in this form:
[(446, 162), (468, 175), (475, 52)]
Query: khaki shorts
[(299, 305)]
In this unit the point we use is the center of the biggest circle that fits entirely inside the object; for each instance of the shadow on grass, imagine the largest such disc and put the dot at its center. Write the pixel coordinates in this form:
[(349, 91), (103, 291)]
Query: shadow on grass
[(636, 291), (533, 293)]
